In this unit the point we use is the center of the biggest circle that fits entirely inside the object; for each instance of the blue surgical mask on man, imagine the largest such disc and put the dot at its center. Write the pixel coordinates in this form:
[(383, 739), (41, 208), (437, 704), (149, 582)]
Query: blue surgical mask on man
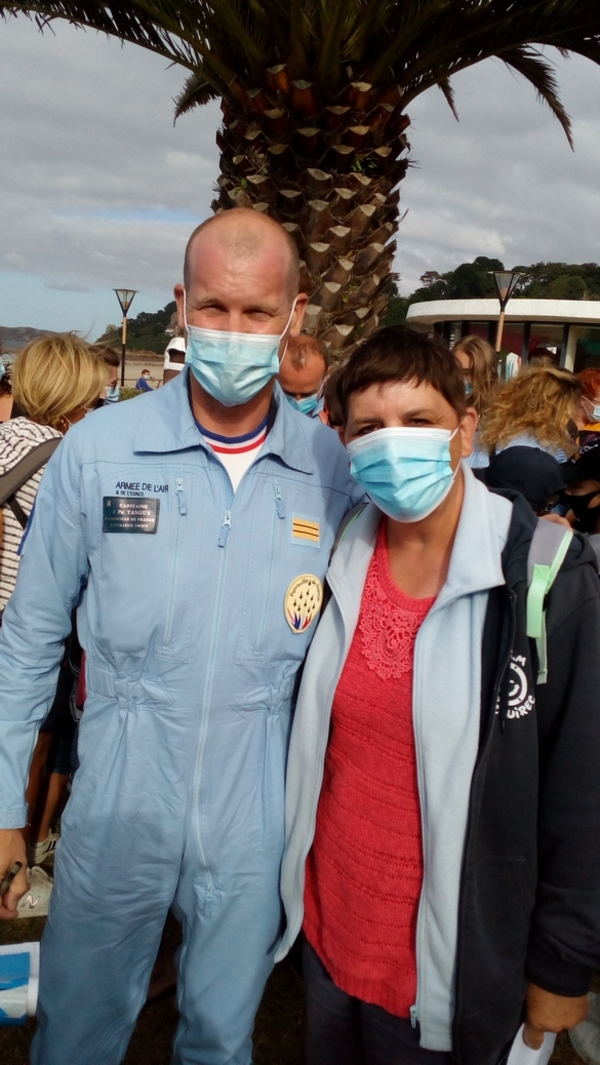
[(406, 471), (306, 405), (233, 367)]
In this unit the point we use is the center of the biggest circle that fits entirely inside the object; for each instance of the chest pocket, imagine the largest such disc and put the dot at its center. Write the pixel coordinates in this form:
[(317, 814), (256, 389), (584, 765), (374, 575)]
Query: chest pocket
[(136, 601), (294, 542)]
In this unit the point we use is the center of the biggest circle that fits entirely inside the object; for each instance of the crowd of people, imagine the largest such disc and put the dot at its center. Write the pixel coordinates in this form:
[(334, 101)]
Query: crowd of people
[(353, 714)]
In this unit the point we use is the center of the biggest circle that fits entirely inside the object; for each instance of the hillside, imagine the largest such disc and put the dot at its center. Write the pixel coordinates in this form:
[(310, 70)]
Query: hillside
[(13, 338)]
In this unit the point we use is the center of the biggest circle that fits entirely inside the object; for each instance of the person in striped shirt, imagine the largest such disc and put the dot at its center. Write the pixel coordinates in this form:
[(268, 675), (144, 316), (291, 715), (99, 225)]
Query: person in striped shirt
[(56, 380)]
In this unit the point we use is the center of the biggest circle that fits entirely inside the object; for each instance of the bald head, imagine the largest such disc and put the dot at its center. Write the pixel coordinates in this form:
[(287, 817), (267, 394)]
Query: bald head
[(245, 235)]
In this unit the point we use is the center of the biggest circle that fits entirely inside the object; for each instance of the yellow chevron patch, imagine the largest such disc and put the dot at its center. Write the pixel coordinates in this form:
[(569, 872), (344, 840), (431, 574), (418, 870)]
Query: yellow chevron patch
[(305, 529)]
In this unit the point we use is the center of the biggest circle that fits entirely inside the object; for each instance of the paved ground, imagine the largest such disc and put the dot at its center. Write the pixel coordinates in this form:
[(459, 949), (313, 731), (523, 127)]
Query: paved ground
[(279, 1034)]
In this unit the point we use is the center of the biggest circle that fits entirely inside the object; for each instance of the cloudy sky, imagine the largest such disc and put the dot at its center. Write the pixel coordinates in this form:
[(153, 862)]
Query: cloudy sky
[(98, 189)]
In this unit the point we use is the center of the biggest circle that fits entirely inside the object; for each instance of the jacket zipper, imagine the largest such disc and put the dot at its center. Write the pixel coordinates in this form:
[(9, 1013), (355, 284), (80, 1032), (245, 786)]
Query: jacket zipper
[(501, 673), (295, 928), (414, 1010), (182, 511)]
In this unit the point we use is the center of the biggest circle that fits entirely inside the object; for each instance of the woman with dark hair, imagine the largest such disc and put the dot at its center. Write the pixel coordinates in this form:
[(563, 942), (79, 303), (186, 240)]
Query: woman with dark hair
[(412, 780)]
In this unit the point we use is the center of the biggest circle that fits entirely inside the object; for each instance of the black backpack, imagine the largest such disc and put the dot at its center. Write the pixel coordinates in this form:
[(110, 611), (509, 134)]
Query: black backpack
[(16, 477)]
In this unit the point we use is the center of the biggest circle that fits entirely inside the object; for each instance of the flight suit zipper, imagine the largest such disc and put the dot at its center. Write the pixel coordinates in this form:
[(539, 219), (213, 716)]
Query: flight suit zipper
[(205, 709), (279, 515), (181, 513)]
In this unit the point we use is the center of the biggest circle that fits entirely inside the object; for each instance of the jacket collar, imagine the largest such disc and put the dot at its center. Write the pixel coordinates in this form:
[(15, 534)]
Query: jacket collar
[(476, 561), (475, 565), (168, 425)]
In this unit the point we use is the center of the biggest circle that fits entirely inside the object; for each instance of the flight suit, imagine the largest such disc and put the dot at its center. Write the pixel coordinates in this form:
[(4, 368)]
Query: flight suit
[(195, 609)]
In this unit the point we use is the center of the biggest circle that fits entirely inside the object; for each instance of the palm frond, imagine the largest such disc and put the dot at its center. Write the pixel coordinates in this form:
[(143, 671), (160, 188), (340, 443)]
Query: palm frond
[(196, 91), (540, 74), (448, 92)]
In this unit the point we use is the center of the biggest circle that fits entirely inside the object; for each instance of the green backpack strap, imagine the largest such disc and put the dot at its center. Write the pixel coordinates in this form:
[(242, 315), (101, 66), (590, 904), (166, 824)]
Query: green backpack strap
[(547, 551)]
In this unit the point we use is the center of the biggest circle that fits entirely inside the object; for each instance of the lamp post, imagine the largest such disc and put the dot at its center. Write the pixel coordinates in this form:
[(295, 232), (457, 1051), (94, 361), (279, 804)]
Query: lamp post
[(506, 283), (125, 298)]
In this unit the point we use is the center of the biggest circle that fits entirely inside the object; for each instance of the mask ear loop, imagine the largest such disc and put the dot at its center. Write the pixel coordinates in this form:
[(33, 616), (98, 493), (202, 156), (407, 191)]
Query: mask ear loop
[(451, 437), (289, 322)]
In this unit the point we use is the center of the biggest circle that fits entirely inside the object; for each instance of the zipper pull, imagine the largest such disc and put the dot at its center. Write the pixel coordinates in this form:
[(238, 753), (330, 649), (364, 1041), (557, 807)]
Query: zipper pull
[(180, 496), (226, 526), (279, 502), (413, 1016)]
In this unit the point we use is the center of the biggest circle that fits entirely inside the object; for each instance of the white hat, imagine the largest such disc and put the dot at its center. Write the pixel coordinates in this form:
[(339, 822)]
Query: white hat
[(177, 344)]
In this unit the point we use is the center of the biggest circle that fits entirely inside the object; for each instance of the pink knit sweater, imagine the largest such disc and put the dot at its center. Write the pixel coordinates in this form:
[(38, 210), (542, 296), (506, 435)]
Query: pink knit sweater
[(364, 872)]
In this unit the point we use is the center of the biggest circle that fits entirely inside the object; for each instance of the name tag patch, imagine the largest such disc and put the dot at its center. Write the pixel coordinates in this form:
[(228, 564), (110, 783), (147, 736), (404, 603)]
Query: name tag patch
[(129, 515), (305, 530)]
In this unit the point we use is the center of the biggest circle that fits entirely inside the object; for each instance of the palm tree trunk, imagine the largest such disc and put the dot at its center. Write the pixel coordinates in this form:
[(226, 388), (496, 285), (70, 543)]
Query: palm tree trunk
[(326, 172)]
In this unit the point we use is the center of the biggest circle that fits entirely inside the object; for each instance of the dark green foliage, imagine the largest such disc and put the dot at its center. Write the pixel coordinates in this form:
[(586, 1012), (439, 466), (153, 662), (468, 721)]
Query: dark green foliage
[(146, 332), (551, 281)]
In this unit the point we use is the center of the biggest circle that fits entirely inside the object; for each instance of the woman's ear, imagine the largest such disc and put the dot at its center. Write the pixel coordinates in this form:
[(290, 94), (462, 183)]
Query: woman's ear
[(467, 429)]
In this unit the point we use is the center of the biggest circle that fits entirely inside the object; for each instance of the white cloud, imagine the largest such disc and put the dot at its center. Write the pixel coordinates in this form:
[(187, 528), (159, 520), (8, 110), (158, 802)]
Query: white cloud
[(99, 190), (503, 181)]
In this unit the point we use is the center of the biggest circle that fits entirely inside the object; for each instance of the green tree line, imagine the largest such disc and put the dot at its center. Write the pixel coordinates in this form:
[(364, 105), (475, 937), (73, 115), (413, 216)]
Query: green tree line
[(550, 281)]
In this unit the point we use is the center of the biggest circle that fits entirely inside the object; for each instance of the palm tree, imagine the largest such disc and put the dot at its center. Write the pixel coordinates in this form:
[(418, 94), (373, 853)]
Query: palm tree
[(314, 96)]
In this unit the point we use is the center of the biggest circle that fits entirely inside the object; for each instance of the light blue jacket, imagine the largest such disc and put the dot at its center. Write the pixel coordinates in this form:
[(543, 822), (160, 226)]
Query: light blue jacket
[(178, 625), (446, 717)]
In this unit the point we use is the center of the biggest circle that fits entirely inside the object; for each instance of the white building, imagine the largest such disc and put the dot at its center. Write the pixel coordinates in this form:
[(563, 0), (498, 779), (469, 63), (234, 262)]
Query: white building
[(567, 329)]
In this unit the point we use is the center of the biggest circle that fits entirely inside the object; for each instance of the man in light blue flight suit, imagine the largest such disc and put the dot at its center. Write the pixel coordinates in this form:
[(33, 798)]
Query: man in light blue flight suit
[(192, 528)]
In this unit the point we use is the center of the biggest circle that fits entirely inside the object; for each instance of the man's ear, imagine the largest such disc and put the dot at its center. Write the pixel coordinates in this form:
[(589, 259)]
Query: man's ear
[(179, 292), (298, 315)]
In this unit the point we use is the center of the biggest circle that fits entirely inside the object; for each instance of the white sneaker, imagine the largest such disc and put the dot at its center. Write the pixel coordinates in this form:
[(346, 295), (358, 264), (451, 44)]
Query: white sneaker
[(594, 1008), (35, 902), (38, 852), (585, 1040)]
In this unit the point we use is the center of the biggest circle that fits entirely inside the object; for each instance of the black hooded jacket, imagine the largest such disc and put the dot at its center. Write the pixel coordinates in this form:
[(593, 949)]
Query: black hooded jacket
[(530, 895)]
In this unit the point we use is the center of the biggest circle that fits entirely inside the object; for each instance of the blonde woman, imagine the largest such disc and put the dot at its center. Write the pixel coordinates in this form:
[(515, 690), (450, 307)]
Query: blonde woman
[(539, 408), (480, 367), (56, 380), (479, 364)]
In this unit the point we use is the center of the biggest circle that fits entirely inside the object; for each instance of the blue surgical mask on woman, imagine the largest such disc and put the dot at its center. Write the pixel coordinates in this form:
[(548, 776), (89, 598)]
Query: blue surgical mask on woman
[(406, 471), (468, 387), (112, 393), (592, 410), (306, 405), (233, 367)]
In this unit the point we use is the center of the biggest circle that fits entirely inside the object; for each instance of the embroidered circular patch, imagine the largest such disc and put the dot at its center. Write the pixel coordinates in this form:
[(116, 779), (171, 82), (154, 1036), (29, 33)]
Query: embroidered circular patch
[(302, 602)]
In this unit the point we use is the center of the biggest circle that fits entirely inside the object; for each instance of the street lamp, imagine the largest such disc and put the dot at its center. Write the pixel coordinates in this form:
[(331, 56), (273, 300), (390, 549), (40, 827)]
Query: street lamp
[(506, 283), (125, 298)]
